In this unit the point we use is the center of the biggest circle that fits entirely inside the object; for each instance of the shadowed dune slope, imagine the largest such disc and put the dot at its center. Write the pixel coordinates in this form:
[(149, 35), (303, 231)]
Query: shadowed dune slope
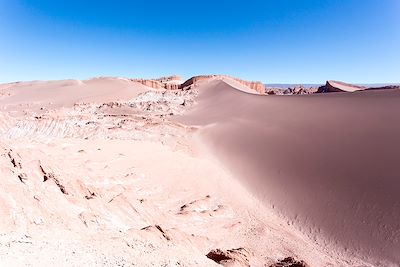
[(328, 163)]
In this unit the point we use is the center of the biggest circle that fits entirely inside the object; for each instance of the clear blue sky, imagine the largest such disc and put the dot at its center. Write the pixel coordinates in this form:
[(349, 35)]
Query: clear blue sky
[(287, 41)]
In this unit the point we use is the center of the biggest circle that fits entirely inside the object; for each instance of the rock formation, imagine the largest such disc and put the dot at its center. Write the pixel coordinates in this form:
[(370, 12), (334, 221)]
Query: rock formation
[(297, 90), (231, 257), (169, 83), (175, 82), (289, 262), (336, 86), (257, 86)]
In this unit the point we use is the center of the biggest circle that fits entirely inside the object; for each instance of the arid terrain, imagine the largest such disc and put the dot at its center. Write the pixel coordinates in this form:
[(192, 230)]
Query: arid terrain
[(205, 172)]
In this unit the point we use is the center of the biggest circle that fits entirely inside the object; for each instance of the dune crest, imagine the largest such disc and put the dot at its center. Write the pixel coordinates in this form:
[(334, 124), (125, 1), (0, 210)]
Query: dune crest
[(175, 82), (325, 162), (336, 86)]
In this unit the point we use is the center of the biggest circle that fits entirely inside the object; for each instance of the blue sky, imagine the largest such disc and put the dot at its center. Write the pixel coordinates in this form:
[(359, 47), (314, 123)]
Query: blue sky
[(286, 41)]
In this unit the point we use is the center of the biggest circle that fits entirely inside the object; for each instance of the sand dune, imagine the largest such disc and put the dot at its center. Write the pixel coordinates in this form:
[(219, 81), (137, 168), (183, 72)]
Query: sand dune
[(337, 86), (54, 94), (110, 172), (98, 172), (326, 163)]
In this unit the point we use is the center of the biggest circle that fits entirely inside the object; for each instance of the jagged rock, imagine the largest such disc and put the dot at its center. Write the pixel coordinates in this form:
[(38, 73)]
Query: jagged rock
[(301, 90), (230, 257), (14, 161), (22, 177), (157, 228), (90, 195), (289, 262), (164, 103), (297, 90), (168, 83), (49, 175)]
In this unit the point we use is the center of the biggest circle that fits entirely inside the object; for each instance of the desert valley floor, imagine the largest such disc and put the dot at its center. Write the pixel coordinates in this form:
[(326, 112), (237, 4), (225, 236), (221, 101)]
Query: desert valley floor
[(115, 172)]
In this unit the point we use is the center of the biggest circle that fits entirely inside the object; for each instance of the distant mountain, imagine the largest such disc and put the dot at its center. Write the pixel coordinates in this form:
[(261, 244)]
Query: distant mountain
[(374, 85), (292, 85), (310, 85)]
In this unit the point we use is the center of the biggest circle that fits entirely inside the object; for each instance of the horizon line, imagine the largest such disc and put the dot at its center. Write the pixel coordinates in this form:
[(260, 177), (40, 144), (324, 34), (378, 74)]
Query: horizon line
[(184, 79)]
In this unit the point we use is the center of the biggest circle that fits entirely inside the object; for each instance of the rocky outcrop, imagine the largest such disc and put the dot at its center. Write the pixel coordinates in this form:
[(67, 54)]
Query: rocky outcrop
[(230, 257), (289, 262), (14, 161), (175, 82), (168, 83), (51, 176), (336, 86), (164, 103), (157, 229), (149, 83), (195, 80), (297, 90)]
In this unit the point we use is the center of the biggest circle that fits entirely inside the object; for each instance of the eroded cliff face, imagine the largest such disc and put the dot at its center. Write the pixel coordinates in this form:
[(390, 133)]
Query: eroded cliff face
[(168, 83), (256, 86), (176, 82)]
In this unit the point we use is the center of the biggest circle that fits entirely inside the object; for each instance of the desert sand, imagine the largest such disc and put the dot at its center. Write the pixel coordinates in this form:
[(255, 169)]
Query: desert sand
[(114, 172), (327, 163)]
